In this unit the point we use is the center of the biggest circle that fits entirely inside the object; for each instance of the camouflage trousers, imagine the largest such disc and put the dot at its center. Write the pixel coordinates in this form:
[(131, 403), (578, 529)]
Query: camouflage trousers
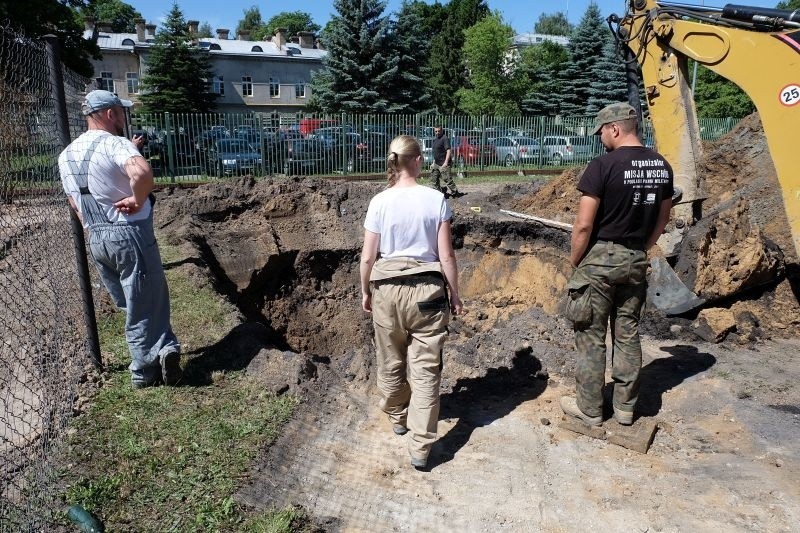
[(615, 276), (442, 175)]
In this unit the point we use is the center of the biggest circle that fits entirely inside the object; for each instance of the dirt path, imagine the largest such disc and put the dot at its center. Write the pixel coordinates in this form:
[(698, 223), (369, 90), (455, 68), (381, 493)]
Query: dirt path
[(718, 463)]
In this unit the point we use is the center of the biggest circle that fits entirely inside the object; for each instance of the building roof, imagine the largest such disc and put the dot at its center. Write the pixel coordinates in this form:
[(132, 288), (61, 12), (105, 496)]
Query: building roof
[(127, 41), (532, 39)]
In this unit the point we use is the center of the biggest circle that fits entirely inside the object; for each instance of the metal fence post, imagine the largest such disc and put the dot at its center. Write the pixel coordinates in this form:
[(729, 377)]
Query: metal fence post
[(62, 124), (170, 146)]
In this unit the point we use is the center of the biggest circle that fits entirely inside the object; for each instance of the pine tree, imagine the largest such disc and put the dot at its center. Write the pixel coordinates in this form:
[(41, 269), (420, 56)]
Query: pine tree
[(361, 66), (540, 65), (609, 83), (585, 50), (178, 77), (412, 44), (446, 72)]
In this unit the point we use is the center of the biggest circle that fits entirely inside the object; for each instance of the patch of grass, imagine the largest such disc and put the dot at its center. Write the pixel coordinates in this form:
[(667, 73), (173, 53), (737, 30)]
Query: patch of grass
[(290, 520), (170, 458)]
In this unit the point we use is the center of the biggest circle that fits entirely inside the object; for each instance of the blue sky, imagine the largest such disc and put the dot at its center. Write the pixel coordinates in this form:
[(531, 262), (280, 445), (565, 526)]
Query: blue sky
[(520, 14)]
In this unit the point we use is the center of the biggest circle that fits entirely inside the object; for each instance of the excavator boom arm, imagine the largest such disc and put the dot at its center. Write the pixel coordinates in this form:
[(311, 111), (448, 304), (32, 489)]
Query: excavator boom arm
[(764, 63)]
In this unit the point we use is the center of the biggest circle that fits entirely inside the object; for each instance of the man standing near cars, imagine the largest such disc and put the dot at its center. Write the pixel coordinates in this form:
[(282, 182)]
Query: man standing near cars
[(440, 168), (626, 201), (109, 184)]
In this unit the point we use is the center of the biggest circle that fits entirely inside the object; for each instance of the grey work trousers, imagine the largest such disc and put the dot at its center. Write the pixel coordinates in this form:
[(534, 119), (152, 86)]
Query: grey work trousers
[(126, 256), (408, 341), (616, 278)]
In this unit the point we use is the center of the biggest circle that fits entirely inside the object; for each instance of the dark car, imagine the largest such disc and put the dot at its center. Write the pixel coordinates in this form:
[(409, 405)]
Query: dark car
[(233, 156), (209, 136), (298, 156), (182, 148), (371, 152), (341, 145)]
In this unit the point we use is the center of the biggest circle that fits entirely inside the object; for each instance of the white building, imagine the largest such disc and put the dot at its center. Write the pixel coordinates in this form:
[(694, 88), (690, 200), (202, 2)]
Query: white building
[(263, 76)]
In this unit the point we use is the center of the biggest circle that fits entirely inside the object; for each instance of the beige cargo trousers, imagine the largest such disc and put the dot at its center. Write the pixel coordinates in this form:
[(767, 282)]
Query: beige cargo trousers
[(410, 314)]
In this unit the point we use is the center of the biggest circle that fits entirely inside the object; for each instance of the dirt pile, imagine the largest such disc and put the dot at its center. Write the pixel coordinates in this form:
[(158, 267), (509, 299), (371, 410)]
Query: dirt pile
[(556, 200)]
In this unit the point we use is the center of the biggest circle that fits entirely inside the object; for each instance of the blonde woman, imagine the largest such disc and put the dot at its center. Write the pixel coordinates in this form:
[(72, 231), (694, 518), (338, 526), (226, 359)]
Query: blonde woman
[(409, 282)]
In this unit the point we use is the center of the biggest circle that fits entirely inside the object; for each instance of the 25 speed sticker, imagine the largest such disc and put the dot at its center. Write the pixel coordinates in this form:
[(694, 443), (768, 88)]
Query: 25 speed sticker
[(790, 95)]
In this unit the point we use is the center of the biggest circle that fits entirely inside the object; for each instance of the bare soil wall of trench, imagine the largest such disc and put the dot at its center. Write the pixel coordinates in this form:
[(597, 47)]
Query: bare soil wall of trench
[(285, 253)]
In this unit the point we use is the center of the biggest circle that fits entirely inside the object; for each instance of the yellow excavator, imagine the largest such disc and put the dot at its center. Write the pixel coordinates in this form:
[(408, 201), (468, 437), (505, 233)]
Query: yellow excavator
[(756, 48)]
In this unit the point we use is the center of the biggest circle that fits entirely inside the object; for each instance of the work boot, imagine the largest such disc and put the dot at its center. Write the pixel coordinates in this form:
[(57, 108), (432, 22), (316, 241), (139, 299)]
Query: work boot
[(570, 407), (171, 367), (399, 429), (623, 417), (457, 194)]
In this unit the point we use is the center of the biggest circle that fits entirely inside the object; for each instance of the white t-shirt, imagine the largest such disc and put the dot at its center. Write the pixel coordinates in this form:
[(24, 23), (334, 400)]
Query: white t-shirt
[(408, 220), (108, 181)]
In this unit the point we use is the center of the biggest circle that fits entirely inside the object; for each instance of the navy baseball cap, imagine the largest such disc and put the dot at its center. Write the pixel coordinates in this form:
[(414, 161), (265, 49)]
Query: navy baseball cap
[(99, 100)]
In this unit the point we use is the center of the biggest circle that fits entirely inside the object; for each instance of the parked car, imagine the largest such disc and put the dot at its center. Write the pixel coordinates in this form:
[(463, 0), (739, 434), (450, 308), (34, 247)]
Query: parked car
[(298, 156), (468, 150), (233, 156), (209, 136), (309, 125), (341, 146), (426, 143), (182, 147), (512, 151), (564, 149), (371, 152)]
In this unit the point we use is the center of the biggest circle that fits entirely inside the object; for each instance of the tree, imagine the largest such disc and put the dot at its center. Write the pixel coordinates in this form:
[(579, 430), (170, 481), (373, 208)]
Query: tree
[(117, 12), (540, 67), (446, 74), (555, 24), (790, 5), (491, 74), (293, 22), (411, 39), (361, 67), (204, 30), (251, 22), (178, 76), (36, 18), (585, 50), (715, 96), (608, 84)]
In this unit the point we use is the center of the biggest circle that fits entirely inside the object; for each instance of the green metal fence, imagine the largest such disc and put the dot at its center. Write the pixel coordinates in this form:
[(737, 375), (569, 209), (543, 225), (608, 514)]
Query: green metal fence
[(198, 147)]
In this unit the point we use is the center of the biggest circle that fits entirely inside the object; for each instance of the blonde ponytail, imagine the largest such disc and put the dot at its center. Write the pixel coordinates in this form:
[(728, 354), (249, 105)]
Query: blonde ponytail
[(402, 151)]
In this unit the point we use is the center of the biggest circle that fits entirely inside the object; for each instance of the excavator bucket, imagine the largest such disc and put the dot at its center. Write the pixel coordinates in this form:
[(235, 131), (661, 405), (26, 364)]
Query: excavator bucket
[(667, 292)]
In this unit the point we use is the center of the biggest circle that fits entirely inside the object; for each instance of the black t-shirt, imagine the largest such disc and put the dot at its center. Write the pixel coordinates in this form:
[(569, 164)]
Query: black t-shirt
[(440, 147), (631, 183)]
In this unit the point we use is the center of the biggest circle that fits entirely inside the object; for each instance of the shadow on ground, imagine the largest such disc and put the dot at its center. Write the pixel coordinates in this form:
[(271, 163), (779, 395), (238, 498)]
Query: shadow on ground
[(233, 352), (478, 402), (661, 375)]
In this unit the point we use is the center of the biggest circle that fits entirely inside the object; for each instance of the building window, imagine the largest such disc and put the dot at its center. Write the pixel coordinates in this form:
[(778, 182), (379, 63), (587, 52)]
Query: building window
[(256, 49), (274, 88), (133, 82), (247, 86), (218, 85), (299, 90), (106, 82)]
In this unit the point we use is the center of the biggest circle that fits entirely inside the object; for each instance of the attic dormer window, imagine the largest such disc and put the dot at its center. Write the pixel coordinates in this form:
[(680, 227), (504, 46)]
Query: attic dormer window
[(215, 46), (256, 49), (128, 42)]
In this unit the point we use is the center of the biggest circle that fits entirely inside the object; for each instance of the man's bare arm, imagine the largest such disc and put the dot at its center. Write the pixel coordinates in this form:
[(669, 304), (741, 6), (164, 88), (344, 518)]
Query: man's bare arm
[(141, 179), (582, 229)]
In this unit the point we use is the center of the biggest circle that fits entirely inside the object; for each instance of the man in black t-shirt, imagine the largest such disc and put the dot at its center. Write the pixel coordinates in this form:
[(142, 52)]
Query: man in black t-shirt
[(440, 168), (626, 201)]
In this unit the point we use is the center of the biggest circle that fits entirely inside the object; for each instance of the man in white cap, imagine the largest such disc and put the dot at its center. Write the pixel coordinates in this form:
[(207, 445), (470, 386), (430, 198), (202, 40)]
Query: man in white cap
[(625, 205), (109, 184)]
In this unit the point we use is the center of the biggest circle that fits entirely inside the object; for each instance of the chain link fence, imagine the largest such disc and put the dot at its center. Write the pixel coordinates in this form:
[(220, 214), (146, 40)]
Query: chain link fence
[(43, 344)]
